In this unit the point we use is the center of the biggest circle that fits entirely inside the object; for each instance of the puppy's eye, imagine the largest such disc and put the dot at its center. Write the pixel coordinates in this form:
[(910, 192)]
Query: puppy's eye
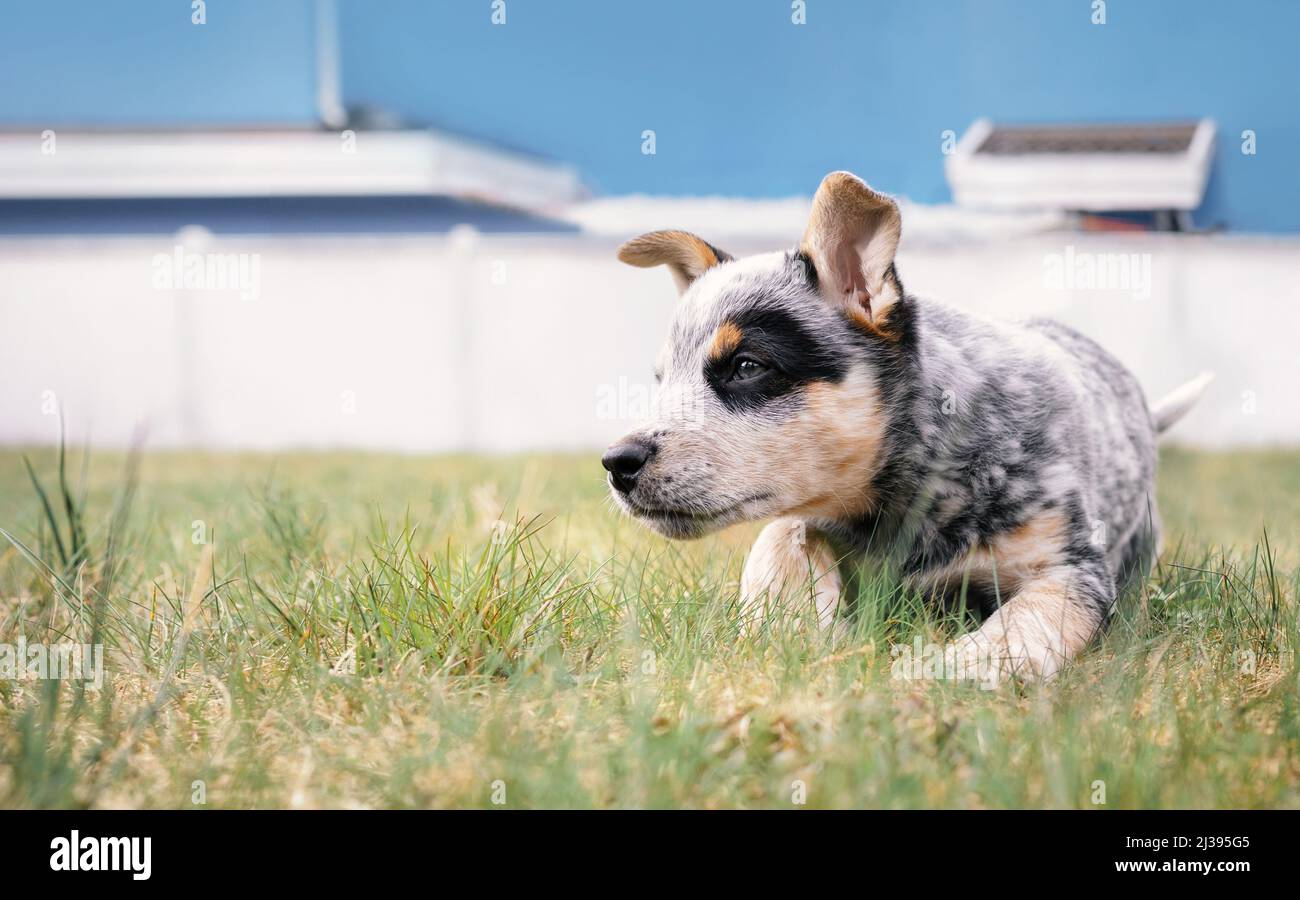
[(747, 368)]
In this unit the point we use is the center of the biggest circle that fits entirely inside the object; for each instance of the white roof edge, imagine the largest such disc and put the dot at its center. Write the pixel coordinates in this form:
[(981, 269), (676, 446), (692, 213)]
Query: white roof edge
[(75, 163)]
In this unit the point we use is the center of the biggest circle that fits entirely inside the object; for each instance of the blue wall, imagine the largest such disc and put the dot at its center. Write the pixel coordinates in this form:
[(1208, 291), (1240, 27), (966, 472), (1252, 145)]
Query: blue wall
[(742, 101), (112, 62)]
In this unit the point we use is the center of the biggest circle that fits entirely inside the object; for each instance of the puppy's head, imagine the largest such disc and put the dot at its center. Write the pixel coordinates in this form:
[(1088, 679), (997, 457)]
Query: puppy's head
[(770, 399)]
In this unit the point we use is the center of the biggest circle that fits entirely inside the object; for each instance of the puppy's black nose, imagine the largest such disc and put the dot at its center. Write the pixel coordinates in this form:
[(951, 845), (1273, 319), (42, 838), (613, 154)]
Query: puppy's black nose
[(624, 463)]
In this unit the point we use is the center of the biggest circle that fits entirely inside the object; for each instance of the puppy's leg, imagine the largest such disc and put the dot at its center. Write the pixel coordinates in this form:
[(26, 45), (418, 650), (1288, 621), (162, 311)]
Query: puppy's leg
[(789, 566), (1048, 621)]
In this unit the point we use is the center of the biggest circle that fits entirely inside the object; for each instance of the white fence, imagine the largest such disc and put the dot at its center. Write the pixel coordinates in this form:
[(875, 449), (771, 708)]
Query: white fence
[(473, 342)]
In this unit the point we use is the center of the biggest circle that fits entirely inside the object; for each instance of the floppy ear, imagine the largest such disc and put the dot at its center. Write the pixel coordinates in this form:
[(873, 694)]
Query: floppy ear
[(686, 256), (852, 235)]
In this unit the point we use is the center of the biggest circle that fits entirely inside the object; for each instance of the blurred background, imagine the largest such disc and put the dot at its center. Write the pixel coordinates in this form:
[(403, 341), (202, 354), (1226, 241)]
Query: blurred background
[(329, 223)]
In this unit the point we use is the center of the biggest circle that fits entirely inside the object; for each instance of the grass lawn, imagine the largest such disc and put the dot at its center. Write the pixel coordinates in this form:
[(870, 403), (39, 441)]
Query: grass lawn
[(348, 630)]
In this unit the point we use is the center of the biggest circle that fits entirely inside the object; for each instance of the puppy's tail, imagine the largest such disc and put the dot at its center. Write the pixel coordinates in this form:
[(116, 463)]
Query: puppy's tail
[(1174, 405)]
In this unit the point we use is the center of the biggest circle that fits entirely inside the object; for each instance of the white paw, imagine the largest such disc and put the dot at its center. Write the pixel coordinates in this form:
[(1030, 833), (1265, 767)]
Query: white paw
[(788, 568)]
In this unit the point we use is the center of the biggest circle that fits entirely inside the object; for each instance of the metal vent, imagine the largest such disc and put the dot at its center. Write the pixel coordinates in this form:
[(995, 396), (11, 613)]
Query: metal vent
[(1158, 166), (1013, 140)]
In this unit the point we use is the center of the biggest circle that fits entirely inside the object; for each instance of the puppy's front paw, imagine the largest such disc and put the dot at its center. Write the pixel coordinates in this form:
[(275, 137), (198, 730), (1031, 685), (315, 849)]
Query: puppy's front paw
[(996, 653), (789, 565)]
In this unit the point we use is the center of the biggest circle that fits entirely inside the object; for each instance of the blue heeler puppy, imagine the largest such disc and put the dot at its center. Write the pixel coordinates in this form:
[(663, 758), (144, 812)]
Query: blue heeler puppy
[(1010, 464)]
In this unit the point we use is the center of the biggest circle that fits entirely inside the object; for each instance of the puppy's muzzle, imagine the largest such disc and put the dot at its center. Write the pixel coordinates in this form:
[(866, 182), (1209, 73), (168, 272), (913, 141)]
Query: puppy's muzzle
[(624, 462)]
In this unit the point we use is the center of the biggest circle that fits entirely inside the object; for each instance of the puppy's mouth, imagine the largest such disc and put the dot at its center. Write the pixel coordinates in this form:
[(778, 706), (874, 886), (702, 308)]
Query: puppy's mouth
[(689, 522)]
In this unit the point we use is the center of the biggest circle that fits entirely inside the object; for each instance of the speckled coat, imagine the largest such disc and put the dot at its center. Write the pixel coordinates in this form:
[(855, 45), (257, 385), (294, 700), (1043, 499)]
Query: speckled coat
[(1009, 466)]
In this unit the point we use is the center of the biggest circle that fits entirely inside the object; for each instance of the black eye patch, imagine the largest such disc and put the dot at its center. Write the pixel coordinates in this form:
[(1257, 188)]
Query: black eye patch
[(776, 340)]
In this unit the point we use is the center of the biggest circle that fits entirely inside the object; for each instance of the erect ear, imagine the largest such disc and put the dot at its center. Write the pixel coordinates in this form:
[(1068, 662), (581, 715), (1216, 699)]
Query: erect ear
[(685, 255), (852, 235)]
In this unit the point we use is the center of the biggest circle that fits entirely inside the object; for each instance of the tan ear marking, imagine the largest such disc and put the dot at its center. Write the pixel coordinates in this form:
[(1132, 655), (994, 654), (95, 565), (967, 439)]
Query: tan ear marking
[(687, 256)]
